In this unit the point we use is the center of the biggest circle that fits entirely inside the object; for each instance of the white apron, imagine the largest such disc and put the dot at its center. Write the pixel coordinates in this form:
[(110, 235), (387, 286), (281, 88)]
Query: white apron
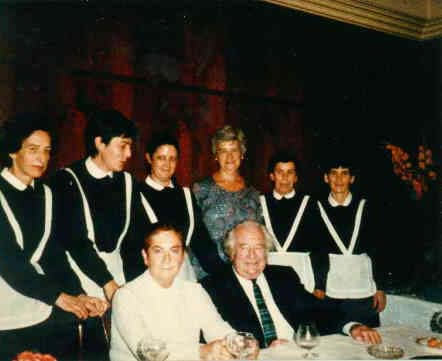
[(350, 275), (113, 260), (300, 261), (17, 310), (186, 271)]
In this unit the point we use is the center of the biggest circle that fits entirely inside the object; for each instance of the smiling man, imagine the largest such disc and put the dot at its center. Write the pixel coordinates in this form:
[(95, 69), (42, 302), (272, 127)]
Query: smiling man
[(343, 255), (269, 301), (97, 202), (160, 305)]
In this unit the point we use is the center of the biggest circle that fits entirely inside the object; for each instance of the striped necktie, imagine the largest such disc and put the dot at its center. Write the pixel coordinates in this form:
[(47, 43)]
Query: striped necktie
[(268, 327)]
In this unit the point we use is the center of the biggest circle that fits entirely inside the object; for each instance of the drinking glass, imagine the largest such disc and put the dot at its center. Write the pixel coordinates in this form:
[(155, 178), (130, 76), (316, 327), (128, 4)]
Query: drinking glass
[(241, 344), (307, 337), (152, 349)]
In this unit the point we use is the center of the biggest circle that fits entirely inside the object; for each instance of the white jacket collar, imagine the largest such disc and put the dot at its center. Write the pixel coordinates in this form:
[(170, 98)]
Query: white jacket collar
[(157, 186), (95, 171), (346, 202), (289, 195), (14, 181)]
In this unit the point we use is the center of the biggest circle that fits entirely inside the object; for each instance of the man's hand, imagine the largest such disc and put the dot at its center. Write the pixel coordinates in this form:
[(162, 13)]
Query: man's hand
[(365, 334), (379, 301), (73, 305), (319, 294), (95, 306), (109, 289), (215, 350), (278, 341)]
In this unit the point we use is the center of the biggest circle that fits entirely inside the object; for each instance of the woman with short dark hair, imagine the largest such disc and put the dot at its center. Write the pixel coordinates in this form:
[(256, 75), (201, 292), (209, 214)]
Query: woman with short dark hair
[(162, 199), (34, 274)]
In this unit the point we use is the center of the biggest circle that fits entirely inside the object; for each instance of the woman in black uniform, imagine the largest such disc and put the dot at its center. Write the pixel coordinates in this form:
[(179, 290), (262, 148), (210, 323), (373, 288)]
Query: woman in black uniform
[(41, 298), (163, 200)]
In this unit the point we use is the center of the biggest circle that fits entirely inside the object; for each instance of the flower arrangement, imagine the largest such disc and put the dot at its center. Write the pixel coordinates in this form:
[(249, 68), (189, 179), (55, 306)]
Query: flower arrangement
[(418, 172), (34, 356)]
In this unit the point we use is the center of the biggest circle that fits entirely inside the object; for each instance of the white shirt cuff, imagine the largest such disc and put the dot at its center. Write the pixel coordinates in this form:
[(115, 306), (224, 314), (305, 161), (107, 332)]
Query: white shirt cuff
[(348, 326)]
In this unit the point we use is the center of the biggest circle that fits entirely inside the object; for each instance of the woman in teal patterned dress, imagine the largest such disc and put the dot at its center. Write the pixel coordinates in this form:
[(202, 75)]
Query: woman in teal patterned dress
[(224, 197)]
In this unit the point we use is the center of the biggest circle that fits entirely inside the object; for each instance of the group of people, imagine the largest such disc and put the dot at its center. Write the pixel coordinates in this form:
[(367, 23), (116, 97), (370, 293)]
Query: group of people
[(187, 266)]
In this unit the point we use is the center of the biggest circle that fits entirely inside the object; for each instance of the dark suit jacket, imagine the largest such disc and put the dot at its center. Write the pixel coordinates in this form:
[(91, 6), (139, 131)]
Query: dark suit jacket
[(293, 301)]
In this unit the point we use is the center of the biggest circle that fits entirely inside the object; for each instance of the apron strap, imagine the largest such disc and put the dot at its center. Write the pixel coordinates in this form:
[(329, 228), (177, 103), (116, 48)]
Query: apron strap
[(335, 235), (86, 209), (296, 222), (266, 215), (48, 220), (12, 220), (18, 232), (128, 188), (188, 197), (357, 226), (149, 211)]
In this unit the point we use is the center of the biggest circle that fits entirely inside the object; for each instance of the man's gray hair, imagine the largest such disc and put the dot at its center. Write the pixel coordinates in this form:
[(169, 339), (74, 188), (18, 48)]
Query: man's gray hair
[(229, 133), (229, 241)]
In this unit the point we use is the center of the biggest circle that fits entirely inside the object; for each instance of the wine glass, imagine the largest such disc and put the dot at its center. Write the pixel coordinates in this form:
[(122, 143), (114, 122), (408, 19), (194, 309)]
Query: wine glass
[(241, 344), (307, 336), (152, 349)]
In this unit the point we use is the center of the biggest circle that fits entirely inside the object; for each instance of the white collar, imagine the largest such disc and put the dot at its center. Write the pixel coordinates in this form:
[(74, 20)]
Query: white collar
[(157, 186), (289, 195), (96, 171), (14, 181), (346, 202)]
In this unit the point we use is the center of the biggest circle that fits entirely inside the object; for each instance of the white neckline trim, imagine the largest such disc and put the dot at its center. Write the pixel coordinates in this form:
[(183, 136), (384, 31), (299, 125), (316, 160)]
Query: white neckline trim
[(246, 282), (96, 171), (289, 195), (157, 186), (346, 202), (14, 181)]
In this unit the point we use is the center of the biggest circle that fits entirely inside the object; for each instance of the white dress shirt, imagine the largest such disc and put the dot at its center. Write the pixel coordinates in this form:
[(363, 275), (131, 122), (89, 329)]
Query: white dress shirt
[(175, 315), (283, 328)]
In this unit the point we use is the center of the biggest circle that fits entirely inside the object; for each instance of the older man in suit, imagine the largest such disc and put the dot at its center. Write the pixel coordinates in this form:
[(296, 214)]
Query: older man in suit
[(270, 301)]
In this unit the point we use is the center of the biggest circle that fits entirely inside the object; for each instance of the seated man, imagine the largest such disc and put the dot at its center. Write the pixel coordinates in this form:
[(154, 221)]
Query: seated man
[(269, 301), (160, 305)]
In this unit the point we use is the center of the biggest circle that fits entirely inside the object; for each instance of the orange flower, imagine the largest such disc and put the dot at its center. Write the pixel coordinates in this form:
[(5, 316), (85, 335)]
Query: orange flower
[(432, 175)]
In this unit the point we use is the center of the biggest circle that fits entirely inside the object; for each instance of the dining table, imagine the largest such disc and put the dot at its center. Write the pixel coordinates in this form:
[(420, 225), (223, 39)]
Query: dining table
[(342, 347)]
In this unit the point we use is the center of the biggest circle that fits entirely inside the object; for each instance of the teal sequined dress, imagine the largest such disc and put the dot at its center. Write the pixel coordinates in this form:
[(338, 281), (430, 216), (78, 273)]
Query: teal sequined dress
[(222, 210)]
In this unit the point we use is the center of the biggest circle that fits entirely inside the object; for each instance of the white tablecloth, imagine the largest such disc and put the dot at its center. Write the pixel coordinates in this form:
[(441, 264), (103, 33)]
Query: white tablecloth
[(340, 347)]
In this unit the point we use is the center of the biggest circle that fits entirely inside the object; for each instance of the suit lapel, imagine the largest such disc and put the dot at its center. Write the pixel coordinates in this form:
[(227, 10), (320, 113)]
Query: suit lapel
[(244, 307)]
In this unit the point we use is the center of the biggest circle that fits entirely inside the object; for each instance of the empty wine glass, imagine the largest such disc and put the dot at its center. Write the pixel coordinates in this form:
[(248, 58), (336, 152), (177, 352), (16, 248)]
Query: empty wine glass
[(307, 337), (151, 349), (241, 344)]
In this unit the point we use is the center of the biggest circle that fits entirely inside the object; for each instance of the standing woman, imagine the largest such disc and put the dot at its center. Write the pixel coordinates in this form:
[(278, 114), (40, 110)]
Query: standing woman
[(224, 197), (161, 199), (37, 308)]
